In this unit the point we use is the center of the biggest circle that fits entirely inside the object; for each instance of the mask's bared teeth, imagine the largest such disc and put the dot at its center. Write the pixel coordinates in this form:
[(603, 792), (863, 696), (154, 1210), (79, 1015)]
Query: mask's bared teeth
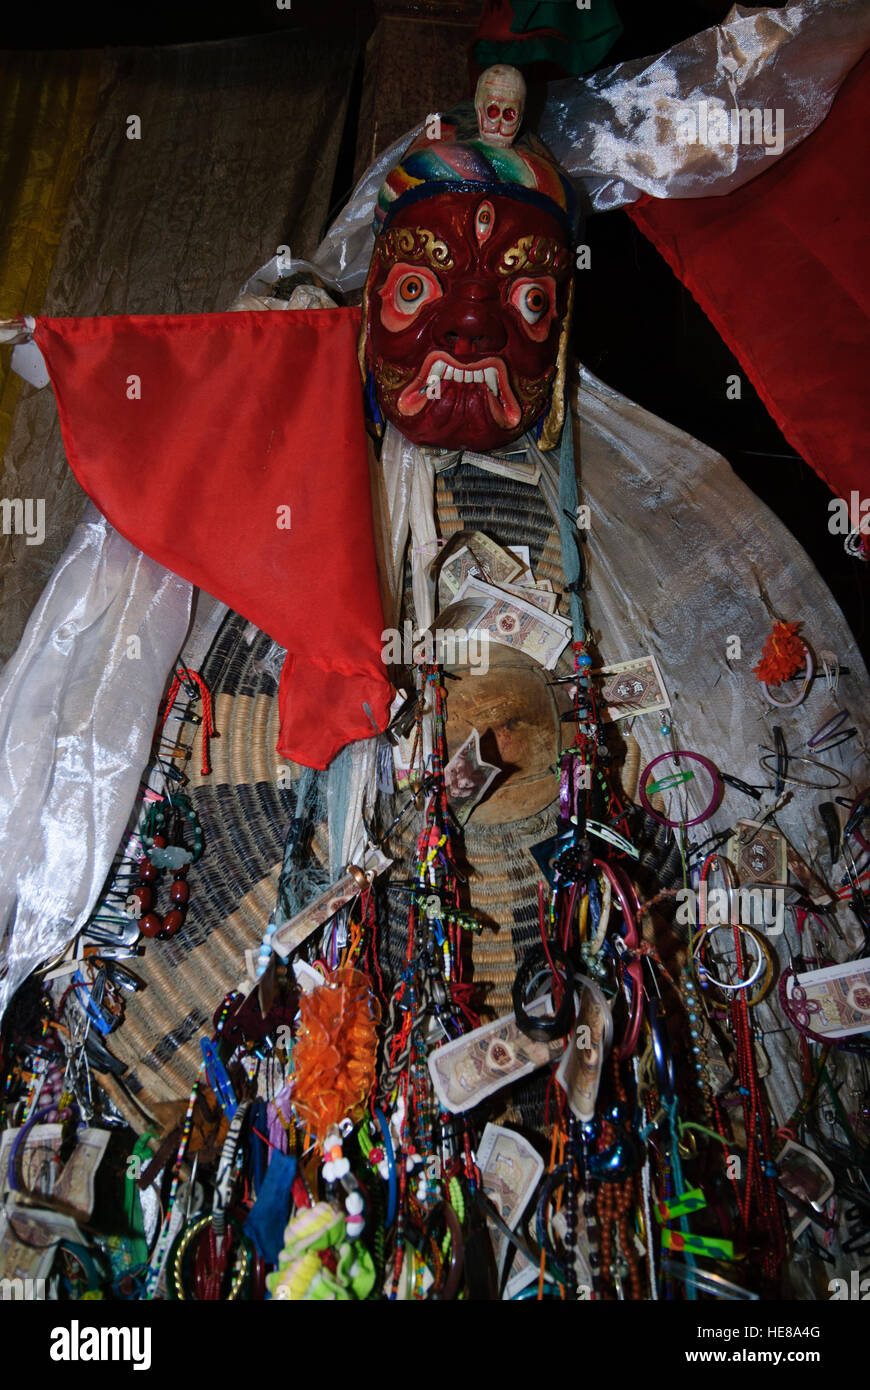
[(490, 376)]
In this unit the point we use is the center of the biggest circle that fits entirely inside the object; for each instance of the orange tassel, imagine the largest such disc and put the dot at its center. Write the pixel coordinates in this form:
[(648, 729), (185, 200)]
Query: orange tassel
[(782, 656), (335, 1051)]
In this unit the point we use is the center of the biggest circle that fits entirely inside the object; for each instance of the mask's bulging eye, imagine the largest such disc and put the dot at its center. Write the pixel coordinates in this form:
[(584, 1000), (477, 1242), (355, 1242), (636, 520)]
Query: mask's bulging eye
[(409, 292), (484, 221), (404, 293), (493, 111), (533, 301)]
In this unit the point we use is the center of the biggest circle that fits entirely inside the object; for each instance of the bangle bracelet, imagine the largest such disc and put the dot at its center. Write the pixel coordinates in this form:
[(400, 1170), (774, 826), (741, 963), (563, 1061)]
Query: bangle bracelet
[(802, 693), (765, 965), (702, 971), (184, 1240), (665, 820), (453, 1227), (557, 1025), (594, 946), (841, 780)]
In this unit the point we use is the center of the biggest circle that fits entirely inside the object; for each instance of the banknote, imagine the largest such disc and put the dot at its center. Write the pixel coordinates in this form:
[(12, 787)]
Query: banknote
[(28, 1243), (520, 469), (37, 1161), (318, 912), (508, 619), (758, 853), (510, 1170), (837, 998), (467, 777), (464, 1072), (633, 687), (521, 553), (803, 1173), (473, 553), (75, 1186), (541, 597), (579, 1072), (523, 1272)]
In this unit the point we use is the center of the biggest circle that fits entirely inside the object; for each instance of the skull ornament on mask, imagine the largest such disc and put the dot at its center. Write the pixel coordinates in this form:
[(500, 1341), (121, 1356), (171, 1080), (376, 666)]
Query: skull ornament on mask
[(499, 102), (468, 293)]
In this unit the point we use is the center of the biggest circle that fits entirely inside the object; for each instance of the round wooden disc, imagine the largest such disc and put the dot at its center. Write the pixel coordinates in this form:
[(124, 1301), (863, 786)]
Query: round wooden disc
[(517, 718)]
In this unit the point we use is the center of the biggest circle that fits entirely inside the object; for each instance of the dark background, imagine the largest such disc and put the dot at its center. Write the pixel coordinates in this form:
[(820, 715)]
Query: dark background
[(636, 326)]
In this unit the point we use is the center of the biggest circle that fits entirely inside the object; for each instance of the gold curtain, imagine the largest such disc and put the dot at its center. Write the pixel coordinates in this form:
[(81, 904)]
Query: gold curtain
[(48, 103)]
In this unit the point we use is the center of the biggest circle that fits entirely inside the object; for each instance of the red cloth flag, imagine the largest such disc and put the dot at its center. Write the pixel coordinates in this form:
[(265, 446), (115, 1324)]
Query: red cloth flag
[(231, 448), (779, 266)]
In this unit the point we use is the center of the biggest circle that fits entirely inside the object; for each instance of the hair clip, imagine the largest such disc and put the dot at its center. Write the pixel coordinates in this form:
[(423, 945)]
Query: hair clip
[(747, 788), (831, 822), (612, 837), (826, 732), (186, 679)]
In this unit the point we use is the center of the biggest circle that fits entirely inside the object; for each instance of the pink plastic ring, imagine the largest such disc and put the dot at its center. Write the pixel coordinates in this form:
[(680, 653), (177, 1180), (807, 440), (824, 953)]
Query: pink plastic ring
[(705, 763)]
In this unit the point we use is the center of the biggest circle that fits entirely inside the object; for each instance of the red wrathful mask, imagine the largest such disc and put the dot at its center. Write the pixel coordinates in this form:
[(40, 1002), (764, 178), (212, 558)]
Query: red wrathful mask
[(465, 304)]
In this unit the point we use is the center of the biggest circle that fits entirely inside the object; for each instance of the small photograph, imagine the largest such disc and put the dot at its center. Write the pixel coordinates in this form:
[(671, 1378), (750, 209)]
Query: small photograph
[(468, 778)]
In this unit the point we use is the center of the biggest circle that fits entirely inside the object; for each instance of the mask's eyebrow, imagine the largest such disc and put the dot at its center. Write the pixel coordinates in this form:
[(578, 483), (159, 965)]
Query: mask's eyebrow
[(414, 244), (534, 253)]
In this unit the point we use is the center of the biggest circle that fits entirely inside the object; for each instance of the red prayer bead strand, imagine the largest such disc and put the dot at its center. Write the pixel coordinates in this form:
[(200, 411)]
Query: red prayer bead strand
[(208, 728)]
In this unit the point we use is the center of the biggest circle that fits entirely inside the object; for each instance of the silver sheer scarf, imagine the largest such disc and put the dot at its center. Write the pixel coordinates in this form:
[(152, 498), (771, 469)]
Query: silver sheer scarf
[(77, 709)]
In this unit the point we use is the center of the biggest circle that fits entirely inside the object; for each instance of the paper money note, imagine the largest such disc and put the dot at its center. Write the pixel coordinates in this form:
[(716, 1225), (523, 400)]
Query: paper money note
[(293, 932), (75, 1186), (473, 553), (510, 1170), (633, 687), (464, 1072), (508, 619), (37, 1162), (802, 1172), (758, 853), (579, 1072), (544, 598), (28, 1244), (518, 468), (521, 553), (838, 998), (467, 777)]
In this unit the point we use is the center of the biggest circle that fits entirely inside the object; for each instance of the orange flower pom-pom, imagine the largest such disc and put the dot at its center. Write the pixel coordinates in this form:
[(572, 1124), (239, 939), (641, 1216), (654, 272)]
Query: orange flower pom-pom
[(782, 656), (335, 1051)]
